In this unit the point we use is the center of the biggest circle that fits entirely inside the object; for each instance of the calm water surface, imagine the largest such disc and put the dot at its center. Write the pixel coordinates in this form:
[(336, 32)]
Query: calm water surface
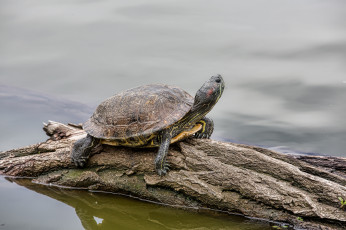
[(42, 207), (283, 62)]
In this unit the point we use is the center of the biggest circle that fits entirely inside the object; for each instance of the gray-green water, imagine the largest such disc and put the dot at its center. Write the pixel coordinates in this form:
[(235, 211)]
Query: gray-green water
[(42, 207), (283, 62)]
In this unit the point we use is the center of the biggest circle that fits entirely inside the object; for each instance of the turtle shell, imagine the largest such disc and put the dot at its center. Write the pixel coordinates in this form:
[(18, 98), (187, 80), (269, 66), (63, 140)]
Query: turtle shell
[(139, 111)]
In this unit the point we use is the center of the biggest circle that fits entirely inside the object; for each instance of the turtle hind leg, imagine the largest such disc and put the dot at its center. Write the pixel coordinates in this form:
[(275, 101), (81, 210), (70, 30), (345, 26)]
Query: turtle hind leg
[(82, 149), (161, 165), (207, 128)]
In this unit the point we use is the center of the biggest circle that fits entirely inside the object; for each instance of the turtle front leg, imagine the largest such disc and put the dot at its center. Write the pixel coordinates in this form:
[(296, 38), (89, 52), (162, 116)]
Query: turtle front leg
[(82, 149), (160, 161), (207, 128)]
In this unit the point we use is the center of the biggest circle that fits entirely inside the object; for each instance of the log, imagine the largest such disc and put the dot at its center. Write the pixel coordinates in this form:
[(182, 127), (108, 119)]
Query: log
[(302, 191)]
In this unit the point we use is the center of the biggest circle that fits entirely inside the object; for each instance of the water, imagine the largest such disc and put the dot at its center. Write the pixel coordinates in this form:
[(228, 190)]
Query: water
[(283, 63), (42, 207)]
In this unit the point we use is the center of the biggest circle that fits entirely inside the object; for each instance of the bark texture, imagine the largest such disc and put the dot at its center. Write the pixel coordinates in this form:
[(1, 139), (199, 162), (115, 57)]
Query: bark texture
[(303, 191)]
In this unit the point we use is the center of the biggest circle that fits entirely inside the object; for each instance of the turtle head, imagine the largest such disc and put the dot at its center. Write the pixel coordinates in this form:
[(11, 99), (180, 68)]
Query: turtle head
[(210, 92)]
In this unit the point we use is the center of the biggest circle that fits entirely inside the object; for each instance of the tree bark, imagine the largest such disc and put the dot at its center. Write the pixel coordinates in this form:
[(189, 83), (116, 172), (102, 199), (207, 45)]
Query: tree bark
[(302, 191)]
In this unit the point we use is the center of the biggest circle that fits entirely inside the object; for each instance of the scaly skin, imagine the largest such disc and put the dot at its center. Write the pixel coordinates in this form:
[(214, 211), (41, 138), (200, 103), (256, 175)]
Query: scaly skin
[(82, 148), (207, 128)]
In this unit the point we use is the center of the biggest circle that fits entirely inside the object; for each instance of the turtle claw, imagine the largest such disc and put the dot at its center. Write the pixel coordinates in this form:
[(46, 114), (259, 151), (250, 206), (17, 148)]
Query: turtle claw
[(206, 136), (164, 170), (79, 160), (198, 135), (161, 172), (80, 163), (202, 135)]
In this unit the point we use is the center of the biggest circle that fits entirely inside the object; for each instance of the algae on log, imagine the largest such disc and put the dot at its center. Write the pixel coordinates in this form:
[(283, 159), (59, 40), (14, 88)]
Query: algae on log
[(248, 180)]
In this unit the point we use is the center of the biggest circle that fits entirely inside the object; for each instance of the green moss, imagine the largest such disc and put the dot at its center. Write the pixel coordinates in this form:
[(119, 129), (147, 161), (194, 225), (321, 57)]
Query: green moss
[(342, 202), (73, 174), (299, 218)]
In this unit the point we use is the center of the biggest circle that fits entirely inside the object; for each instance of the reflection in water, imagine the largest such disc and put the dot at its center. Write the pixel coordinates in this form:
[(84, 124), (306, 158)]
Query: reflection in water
[(109, 211)]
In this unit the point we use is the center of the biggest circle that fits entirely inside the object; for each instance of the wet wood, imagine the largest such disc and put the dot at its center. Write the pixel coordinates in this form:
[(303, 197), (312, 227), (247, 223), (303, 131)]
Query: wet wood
[(302, 191)]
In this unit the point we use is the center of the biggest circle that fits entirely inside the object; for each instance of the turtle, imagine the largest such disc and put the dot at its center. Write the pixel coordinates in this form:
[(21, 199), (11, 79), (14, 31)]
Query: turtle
[(149, 116)]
